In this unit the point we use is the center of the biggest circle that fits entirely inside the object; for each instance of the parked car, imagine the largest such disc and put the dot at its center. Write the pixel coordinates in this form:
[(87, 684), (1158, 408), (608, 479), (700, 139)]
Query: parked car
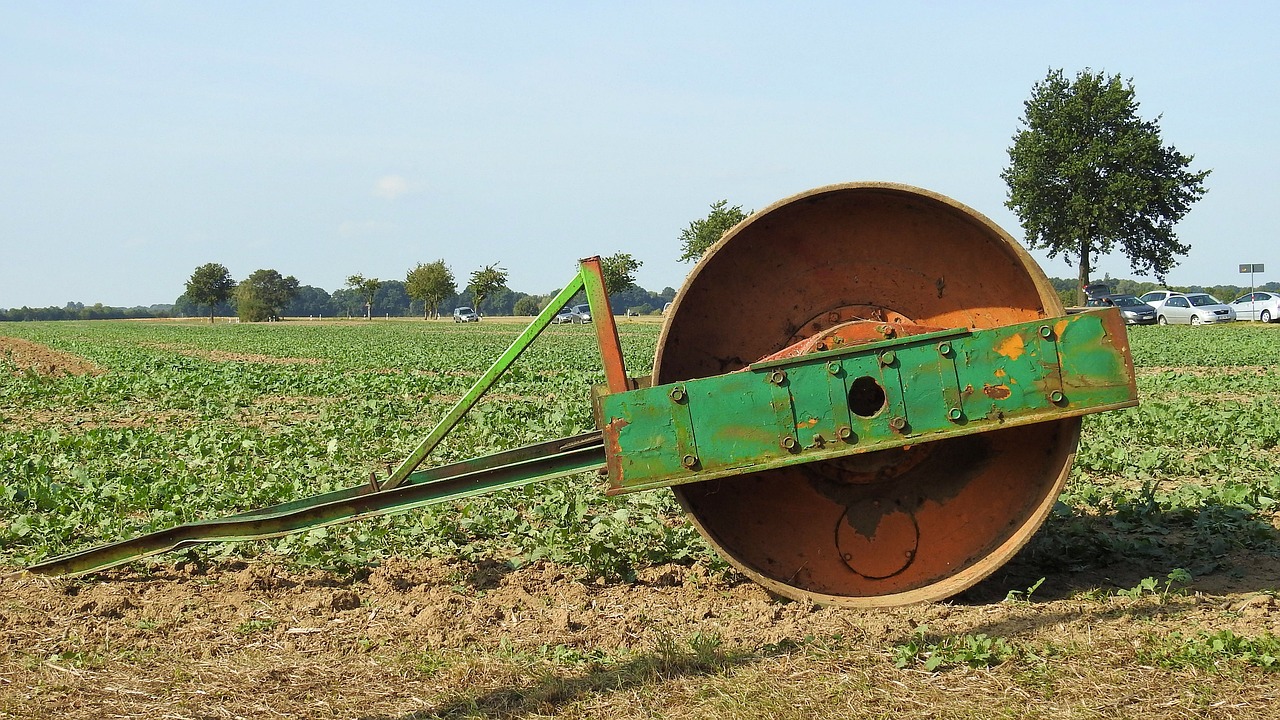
[(575, 314), (1261, 306), (1194, 309), (1133, 310), (1156, 298), (465, 314)]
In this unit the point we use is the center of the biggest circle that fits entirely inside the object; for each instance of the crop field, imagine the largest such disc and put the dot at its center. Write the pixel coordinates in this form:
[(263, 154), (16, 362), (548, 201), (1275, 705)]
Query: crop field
[(1151, 592)]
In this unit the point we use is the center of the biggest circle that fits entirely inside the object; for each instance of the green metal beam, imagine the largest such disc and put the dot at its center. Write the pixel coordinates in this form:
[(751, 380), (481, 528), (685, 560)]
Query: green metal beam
[(864, 398), (512, 468)]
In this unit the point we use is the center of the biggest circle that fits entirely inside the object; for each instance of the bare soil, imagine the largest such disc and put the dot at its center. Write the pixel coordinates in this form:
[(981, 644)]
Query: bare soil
[(452, 640), (34, 357)]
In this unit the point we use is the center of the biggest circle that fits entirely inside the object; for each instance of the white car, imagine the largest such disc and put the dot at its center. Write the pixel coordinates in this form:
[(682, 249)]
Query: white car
[(1156, 298), (1260, 306), (1193, 309)]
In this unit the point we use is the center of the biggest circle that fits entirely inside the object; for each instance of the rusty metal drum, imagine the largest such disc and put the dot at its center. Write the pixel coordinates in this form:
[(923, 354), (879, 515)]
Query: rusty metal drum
[(890, 527)]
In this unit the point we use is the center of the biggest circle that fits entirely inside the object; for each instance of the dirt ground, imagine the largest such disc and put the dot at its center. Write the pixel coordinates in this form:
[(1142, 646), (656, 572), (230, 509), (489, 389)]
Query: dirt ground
[(446, 639), (438, 639), (26, 355)]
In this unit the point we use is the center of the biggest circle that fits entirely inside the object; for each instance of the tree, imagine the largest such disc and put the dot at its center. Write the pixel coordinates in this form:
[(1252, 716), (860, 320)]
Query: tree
[(262, 295), (619, 271), (527, 305), (702, 234), (1086, 173), (486, 281), (392, 299), (210, 285), (309, 301), (367, 288), (431, 283)]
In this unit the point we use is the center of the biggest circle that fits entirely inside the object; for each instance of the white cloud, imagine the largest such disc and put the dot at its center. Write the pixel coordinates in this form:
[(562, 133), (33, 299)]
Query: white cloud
[(390, 187)]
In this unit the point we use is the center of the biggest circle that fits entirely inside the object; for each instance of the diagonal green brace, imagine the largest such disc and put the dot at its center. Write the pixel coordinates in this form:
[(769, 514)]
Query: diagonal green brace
[(486, 381)]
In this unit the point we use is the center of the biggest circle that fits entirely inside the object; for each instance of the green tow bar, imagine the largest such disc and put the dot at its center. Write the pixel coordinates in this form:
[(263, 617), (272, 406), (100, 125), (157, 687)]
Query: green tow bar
[(407, 487)]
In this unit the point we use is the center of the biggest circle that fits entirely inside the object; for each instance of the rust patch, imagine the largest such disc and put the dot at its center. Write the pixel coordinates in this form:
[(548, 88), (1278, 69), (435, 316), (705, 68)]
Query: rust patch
[(613, 454), (996, 392), (1012, 348)]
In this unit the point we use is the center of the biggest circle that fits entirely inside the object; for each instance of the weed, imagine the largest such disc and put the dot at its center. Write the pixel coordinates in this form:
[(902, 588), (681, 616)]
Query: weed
[(704, 653), (253, 626), (1212, 651), (1015, 596), (978, 650), (1149, 586)]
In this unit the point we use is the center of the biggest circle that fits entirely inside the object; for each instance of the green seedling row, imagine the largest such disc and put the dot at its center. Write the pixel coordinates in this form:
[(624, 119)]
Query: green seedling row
[(188, 421)]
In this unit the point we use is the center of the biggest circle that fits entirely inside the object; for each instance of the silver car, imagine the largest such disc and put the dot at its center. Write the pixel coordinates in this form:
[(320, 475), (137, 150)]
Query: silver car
[(1194, 309), (1261, 306), (575, 314), (1133, 310)]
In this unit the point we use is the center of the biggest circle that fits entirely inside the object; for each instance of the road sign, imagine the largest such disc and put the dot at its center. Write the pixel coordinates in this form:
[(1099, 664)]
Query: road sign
[(1245, 268)]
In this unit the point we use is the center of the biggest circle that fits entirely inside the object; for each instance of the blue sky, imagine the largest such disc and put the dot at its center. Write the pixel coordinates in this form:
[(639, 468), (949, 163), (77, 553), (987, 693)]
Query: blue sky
[(142, 139)]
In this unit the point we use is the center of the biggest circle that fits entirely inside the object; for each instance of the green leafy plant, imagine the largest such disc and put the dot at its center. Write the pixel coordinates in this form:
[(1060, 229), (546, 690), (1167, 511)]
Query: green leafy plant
[(1023, 595), (1149, 586), (978, 650), (1212, 651)]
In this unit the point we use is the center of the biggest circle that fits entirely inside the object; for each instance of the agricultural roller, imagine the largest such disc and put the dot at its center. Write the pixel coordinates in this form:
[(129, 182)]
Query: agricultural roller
[(864, 395)]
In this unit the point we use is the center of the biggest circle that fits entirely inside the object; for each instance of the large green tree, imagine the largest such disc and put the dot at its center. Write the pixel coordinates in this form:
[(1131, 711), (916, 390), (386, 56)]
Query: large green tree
[(486, 281), (619, 270), (1086, 174), (263, 294), (431, 283), (702, 234), (367, 288), (210, 285)]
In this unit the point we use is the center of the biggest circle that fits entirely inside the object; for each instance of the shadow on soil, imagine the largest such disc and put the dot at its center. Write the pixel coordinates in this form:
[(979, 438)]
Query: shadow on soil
[(550, 691), (1225, 548)]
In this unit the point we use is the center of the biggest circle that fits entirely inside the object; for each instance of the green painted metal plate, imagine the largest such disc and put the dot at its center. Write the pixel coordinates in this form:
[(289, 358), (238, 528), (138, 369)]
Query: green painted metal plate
[(866, 398)]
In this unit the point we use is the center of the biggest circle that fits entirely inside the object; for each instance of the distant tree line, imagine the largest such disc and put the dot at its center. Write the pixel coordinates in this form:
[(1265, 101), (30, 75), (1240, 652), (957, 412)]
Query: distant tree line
[(429, 289), (392, 300), (80, 311)]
